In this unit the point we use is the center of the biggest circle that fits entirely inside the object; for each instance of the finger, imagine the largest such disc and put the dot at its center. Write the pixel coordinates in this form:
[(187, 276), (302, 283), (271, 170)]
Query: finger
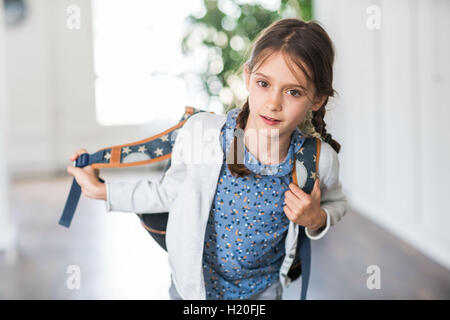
[(292, 204), (315, 194), (297, 197), (74, 156), (77, 153), (289, 196), (288, 212), (93, 174), (297, 190), (73, 171), (90, 170)]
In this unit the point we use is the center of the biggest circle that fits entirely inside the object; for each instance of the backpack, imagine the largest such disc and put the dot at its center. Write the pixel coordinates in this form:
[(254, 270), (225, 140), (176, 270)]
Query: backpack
[(304, 175)]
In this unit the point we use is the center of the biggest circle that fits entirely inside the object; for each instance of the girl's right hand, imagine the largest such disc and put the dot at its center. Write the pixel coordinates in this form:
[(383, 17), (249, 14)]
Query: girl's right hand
[(87, 178)]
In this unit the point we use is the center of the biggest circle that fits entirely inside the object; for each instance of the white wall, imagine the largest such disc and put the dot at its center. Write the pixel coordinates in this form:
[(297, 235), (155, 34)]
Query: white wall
[(7, 232), (51, 91), (392, 115)]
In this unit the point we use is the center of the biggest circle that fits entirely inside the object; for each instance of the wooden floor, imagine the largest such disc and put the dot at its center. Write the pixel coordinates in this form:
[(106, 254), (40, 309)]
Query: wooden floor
[(118, 259)]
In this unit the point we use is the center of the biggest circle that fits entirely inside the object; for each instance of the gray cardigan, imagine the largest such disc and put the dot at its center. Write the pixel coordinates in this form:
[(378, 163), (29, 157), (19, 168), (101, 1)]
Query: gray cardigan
[(187, 191)]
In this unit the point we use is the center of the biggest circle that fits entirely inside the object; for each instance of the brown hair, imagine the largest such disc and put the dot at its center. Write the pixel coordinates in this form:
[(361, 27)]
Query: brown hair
[(302, 42)]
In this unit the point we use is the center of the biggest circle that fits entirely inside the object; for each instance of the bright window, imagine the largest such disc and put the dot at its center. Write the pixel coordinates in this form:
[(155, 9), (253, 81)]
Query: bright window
[(138, 61)]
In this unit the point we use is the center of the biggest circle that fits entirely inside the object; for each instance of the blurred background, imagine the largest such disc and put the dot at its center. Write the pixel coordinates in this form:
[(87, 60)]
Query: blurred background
[(90, 74)]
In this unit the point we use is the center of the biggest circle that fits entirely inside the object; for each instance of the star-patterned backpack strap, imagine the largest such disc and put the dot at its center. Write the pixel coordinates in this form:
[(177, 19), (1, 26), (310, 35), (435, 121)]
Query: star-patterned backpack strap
[(305, 173), (154, 149)]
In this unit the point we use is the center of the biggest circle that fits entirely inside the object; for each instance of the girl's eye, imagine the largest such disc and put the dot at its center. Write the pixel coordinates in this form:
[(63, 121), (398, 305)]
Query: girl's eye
[(295, 91), (262, 82)]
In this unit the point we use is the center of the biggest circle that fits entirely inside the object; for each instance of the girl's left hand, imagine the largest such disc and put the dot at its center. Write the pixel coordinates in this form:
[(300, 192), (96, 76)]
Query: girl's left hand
[(304, 209)]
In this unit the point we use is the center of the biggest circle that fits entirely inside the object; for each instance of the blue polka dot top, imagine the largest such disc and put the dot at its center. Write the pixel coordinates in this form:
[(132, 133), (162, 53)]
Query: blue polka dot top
[(246, 229)]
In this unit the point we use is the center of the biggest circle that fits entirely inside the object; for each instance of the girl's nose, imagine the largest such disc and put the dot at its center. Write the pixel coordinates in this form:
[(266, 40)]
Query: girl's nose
[(274, 102), (273, 107)]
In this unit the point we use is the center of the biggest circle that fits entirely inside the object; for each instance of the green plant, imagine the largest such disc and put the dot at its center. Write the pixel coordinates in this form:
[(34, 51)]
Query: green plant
[(227, 29)]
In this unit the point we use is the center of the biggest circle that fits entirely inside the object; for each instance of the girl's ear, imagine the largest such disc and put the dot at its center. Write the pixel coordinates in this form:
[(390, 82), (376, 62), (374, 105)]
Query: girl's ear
[(247, 76), (318, 102)]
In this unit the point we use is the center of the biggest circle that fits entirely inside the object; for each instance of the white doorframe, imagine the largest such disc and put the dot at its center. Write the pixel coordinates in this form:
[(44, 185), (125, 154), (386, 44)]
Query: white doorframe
[(7, 230)]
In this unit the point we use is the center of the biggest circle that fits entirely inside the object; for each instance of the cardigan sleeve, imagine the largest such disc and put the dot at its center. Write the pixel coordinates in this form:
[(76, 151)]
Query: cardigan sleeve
[(333, 201), (146, 196)]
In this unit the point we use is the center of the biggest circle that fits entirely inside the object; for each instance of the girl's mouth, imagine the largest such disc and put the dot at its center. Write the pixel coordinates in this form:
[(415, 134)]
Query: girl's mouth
[(270, 121)]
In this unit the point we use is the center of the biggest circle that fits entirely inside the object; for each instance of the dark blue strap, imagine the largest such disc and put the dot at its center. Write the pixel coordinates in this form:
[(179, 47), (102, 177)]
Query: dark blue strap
[(71, 204), (83, 160), (306, 157), (304, 246)]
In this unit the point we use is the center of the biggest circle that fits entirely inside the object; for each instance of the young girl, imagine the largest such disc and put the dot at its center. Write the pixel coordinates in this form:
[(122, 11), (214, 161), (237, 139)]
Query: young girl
[(233, 226)]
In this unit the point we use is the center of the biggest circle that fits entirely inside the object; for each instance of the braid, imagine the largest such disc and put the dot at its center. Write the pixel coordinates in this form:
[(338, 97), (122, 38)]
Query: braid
[(242, 117), (319, 126), (238, 169)]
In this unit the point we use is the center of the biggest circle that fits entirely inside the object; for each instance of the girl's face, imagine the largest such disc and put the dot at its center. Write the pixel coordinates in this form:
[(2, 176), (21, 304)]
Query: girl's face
[(276, 93)]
